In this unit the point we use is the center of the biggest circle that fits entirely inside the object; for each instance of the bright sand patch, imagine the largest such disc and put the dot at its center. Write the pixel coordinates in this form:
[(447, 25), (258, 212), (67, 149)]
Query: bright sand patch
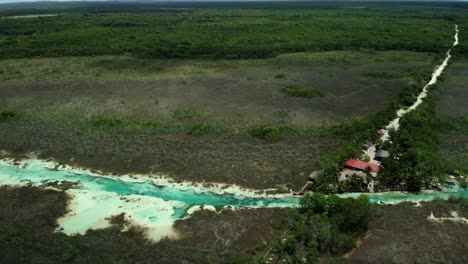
[(153, 204), (454, 218), (91, 210), (33, 16)]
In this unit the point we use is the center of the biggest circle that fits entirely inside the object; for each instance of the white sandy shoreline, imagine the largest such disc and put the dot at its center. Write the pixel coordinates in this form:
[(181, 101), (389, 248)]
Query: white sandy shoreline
[(90, 206), (155, 179)]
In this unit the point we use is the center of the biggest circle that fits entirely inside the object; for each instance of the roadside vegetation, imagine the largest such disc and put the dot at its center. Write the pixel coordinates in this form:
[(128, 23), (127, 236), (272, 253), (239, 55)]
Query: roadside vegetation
[(359, 131), (414, 162), (418, 161)]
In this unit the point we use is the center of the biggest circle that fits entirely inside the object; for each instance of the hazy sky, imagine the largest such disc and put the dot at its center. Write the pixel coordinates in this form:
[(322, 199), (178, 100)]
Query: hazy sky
[(17, 1)]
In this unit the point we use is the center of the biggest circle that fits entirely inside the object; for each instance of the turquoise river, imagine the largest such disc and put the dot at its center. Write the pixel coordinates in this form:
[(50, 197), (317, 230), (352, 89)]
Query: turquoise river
[(156, 203)]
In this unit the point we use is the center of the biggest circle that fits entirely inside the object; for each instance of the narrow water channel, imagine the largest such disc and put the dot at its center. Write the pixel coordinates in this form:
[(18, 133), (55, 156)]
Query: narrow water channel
[(153, 203)]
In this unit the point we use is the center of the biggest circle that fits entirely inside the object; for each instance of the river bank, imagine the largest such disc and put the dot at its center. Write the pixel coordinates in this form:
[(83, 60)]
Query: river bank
[(32, 237), (400, 229), (154, 205)]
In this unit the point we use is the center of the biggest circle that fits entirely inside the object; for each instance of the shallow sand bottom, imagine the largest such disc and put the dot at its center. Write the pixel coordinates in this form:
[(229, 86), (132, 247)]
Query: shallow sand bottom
[(154, 204)]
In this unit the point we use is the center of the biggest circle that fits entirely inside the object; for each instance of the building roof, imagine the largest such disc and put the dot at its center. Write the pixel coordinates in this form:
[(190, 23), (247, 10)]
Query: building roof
[(367, 145), (382, 153), (362, 165)]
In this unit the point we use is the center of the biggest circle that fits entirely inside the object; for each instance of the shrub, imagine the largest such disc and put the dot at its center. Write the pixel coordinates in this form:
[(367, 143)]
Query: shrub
[(187, 113), (315, 202), (271, 132), (382, 75), (280, 76), (325, 225), (301, 91), (201, 128), (313, 255), (290, 245), (107, 123), (6, 116)]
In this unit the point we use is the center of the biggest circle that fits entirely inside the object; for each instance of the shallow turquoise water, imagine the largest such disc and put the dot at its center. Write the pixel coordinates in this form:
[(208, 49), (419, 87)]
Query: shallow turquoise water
[(400, 197), (37, 174), (95, 198)]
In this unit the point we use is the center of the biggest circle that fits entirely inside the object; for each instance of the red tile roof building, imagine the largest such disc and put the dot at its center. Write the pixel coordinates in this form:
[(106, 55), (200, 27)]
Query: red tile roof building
[(361, 165)]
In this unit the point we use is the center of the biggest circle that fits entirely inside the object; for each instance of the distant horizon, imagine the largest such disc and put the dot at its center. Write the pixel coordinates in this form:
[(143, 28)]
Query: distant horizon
[(136, 1), (219, 1)]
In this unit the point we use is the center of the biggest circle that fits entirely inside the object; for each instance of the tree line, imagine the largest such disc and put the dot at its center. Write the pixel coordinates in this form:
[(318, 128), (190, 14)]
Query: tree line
[(221, 34)]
